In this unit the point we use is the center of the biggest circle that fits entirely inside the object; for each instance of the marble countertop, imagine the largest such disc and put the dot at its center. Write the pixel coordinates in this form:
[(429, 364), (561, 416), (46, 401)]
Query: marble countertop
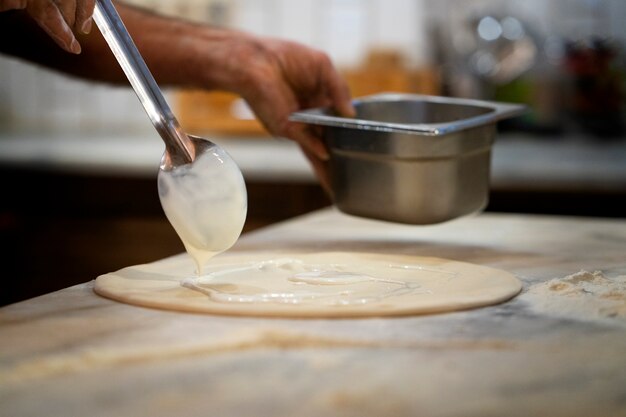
[(519, 162), (74, 353)]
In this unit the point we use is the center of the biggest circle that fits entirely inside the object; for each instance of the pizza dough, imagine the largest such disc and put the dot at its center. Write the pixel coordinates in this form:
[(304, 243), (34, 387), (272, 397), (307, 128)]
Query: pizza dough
[(333, 284)]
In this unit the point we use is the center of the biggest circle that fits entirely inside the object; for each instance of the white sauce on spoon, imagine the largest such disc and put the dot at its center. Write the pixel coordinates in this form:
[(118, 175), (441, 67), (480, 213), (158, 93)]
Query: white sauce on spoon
[(206, 203)]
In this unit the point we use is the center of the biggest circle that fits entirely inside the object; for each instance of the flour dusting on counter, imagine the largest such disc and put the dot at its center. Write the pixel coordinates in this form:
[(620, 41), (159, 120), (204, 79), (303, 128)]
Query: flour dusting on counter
[(584, 295)]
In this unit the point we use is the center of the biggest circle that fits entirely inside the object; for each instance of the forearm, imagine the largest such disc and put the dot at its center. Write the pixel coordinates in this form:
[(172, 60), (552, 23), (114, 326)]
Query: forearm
[(275, 77), (181, 53), (171, 48)]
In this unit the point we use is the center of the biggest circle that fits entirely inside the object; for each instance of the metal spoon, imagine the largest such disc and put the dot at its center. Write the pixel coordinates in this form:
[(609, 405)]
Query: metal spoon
[(200, 187)]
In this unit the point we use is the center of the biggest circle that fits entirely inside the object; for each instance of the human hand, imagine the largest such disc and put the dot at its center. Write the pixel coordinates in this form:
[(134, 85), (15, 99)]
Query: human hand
[(279, 77), (58, 18)]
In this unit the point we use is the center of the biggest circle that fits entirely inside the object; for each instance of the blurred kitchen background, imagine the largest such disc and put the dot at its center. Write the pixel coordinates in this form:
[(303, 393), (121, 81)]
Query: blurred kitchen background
[(79, 160)]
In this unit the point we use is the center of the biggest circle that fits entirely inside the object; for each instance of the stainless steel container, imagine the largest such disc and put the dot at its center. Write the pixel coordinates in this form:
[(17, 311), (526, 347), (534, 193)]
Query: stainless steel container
[(411, 158)]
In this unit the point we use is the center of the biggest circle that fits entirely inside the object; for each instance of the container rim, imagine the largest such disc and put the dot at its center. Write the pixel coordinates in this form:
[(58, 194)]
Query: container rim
[(499, 111)]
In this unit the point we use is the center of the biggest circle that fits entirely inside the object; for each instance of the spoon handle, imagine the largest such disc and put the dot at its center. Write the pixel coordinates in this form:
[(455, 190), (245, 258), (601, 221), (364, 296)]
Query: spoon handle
[(142, 81)]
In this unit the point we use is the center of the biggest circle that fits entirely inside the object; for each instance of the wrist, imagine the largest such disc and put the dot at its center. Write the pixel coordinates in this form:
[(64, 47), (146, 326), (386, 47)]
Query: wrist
[(227, 60)]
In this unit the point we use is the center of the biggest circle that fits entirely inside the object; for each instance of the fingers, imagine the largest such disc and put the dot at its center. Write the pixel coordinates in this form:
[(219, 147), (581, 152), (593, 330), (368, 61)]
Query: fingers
[(297, 132), (288, 77), (313, 143), (273, 112), (309, 141), (68, 10), (77, 13), (51, 20), (58, 17), (84, 11), (321, 170), (338, 91), (6, 5), (273, 102)]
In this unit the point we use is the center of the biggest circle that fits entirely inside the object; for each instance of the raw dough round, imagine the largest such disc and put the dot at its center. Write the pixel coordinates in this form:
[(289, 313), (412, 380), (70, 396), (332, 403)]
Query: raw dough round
[(333, 284)]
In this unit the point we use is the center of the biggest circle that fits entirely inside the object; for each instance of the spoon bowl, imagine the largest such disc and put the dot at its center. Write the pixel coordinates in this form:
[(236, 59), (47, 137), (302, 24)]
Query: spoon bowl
[(204, 200), (201, 189)]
